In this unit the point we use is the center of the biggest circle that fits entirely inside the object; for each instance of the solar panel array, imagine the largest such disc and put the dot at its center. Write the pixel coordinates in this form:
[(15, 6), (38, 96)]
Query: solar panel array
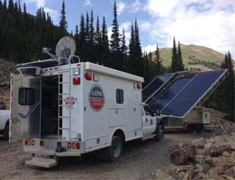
[(184, 93), (155, 85), (166, 96)]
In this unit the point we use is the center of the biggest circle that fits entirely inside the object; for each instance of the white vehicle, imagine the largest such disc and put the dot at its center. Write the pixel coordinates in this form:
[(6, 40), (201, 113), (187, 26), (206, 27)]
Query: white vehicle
[(4, 123), (75, 108)]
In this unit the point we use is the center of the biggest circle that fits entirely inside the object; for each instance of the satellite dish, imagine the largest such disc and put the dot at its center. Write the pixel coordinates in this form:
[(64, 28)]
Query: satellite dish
[(65, 47)]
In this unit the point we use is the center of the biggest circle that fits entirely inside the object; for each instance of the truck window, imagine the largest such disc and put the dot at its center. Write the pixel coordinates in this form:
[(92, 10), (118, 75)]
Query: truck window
[(147, 110), (119, 96), (26, 96)]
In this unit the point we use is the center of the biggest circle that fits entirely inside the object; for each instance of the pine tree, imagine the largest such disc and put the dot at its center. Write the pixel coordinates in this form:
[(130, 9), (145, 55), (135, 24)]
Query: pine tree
[(105, 45), (230, 89), (138, 52), (11, 6), (180, 59), (174, 64), (130, 64), (82, 39), (98, 43), (25, 9), (147, 73), (87, 38), (124, 50), (76, 38), (63, 22), (158, 68), (91, 44), (116, 60)]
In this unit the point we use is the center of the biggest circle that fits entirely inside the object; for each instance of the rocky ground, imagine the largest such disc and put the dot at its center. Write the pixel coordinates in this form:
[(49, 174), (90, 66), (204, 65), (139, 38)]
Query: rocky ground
[(212, 158), (139, 161)]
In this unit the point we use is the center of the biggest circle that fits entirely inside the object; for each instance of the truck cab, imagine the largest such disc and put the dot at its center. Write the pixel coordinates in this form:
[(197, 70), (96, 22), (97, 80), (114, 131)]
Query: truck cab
[(152, 123), (4, 123)]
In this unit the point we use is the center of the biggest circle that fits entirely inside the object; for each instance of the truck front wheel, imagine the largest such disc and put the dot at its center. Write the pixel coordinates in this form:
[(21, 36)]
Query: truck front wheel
[(160, 133)]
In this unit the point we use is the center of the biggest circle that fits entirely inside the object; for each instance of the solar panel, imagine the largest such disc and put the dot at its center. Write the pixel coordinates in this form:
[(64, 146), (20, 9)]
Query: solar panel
[(170, 92), (186, 99), (155, 85)]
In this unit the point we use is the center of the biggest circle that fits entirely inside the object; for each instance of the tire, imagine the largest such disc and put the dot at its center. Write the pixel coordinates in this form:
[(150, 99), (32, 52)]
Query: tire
[(160, 133), (190, 128), (114, 152), (199, 128), (6, 133)]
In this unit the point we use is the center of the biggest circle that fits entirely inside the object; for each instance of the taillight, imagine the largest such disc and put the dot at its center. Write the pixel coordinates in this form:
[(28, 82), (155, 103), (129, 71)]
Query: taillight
[(88, 76), (138, 86), (69, 145), (78, 146), (76, 81), (33, 142), (73, 145)]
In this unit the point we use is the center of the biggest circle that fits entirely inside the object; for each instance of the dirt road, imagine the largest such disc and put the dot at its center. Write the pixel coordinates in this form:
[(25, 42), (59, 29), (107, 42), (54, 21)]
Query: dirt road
[(138, 161)]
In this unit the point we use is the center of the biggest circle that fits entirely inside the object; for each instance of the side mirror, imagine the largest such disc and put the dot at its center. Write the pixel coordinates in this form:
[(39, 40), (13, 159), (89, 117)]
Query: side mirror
[(154, 114), (158, 112)]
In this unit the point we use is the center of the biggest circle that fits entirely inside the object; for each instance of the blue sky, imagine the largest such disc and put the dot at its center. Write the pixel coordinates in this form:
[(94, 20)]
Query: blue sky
[(208, 23)]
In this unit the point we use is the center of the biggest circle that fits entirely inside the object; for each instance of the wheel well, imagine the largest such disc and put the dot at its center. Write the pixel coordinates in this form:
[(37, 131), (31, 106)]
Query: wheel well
[(7, 123), (120, 134), (161, 123)]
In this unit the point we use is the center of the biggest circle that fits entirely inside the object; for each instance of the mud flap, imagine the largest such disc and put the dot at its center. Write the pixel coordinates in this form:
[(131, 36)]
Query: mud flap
[(42, 162)]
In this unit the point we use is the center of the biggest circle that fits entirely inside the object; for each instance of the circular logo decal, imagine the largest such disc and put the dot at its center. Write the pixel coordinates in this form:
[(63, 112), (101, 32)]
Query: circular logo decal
[(96, 98)]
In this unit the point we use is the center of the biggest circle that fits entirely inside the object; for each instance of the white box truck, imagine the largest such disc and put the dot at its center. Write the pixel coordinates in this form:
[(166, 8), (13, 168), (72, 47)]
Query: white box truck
[(59, 108)]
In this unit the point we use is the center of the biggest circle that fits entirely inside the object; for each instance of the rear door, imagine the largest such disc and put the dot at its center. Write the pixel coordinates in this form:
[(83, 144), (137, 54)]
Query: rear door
[(25, 106)]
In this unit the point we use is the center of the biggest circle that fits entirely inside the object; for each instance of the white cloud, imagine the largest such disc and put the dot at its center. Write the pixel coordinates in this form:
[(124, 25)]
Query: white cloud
[(208, 23), (120, 7), (144, 25), (149, 48), (136, 6), (125, 25), (42, 3), (87, 3)]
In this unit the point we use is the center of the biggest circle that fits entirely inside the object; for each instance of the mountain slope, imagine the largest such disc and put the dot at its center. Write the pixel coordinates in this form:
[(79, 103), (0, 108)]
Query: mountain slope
[(195, 56)]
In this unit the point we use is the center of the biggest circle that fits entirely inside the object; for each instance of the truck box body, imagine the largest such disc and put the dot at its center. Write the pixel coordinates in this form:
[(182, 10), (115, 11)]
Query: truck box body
[(73, 109)]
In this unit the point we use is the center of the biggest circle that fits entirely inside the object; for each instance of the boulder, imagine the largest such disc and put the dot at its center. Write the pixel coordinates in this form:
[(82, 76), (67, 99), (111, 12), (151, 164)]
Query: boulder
[(225, 153), (158, 174), (182, 154), (230, 172), (199, 143)]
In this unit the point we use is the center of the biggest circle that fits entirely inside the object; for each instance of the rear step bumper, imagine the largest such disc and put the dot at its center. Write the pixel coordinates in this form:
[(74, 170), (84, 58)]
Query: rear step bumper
[(42, 162)]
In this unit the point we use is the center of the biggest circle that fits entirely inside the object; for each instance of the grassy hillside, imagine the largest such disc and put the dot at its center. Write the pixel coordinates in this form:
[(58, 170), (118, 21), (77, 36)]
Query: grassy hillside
[(195, 56)]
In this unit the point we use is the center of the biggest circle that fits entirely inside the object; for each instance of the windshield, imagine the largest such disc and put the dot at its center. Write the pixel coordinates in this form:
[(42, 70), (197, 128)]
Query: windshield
[(147, 110)]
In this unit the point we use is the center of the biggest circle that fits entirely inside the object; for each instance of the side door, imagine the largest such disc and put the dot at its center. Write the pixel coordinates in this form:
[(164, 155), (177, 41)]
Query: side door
[(137, 114), (25, 106)]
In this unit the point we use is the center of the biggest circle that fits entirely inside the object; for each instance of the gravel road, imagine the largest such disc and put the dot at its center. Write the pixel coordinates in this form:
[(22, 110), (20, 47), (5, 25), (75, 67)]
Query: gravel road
[(138, 161)]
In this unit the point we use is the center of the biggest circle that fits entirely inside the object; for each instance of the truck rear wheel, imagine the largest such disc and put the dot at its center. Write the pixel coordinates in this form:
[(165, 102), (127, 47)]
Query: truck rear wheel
[(114, 152), (6, 133)]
